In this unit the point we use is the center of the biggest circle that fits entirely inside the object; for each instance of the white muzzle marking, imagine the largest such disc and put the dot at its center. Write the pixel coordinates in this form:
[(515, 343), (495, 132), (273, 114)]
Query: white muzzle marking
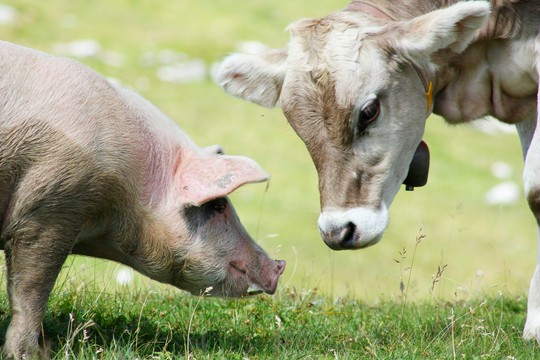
[(362, 227)]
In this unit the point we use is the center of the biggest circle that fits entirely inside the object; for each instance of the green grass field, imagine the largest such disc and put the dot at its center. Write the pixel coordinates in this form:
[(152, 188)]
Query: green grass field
[(485, 251), (84, 322)]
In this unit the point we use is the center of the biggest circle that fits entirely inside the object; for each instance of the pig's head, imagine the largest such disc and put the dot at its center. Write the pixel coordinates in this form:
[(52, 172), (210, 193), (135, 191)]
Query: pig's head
[(214, 250)]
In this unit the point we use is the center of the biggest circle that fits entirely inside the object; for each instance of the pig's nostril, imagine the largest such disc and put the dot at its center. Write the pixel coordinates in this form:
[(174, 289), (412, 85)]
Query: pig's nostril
[(280, 267)]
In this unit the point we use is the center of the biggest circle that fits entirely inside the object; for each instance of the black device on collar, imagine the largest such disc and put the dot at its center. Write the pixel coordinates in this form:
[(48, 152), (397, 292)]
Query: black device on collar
[(419, 168)]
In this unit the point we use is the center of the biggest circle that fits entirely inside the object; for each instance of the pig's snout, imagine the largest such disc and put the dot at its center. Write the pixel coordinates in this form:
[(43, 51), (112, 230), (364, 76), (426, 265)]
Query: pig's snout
[(278, 270), (264, 279)]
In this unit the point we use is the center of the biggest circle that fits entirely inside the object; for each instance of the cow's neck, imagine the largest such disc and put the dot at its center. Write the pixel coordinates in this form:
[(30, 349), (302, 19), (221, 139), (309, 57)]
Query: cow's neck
[(492, 77), (495, 75)]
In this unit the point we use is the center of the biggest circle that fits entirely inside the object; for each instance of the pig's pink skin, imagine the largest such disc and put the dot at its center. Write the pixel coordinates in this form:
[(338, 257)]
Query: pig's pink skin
[(258, 269), (90, 168)]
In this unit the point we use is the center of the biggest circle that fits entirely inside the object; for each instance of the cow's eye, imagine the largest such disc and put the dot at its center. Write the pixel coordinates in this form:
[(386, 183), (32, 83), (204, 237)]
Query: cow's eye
[(369, 113)]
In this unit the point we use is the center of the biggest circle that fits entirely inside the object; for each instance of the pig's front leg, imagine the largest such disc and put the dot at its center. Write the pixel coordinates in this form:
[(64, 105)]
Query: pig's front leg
[(35, 253)]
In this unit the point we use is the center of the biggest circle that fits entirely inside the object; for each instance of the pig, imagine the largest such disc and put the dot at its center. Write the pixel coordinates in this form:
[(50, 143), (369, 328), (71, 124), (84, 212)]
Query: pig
[(91, 168)]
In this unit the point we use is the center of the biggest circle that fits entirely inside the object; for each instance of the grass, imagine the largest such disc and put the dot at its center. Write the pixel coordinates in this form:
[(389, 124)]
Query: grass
[(463, 295), (87, 323), (147, 320)]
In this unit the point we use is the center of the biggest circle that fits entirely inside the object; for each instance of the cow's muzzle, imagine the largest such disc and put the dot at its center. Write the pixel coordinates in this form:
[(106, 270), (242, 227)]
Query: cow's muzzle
[(354, 228)]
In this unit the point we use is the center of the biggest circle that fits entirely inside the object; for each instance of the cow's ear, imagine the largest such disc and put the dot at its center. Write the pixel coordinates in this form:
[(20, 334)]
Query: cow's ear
[(257, 78), (454, 28)]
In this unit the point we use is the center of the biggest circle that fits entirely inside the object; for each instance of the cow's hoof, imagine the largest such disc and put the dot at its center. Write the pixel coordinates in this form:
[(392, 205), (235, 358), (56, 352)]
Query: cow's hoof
[(531, 332)]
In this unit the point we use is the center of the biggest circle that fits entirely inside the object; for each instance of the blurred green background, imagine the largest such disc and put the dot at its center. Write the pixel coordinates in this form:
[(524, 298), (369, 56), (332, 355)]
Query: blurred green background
[(165, 50)]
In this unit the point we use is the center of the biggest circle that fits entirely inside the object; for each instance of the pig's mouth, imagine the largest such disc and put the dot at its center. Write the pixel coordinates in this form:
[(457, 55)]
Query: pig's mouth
[(238, 271), (253, 290), (242, 281)]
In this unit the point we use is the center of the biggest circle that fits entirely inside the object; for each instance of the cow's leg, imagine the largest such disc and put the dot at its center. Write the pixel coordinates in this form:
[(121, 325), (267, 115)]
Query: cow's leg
[(529, 133), (530, 141), (35, 252), (532, 324)]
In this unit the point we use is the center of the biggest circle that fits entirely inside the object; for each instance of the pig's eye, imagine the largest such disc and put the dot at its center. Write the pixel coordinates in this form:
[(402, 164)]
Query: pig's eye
[(219, 205)]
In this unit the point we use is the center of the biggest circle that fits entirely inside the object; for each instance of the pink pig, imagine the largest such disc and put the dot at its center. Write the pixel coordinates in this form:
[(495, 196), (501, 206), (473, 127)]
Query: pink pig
[(87, 167)]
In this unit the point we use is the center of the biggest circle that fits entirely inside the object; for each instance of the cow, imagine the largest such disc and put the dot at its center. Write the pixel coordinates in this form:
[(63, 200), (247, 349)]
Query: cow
[(358, 85), (91, 168)]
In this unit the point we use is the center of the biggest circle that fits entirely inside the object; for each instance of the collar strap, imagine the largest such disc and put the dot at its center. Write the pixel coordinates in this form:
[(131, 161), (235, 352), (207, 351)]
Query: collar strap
[(368, 9)]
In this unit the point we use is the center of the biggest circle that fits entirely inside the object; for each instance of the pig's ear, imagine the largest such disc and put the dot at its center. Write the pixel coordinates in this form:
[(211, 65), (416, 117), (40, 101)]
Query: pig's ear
[(257, 78), (203, 179)]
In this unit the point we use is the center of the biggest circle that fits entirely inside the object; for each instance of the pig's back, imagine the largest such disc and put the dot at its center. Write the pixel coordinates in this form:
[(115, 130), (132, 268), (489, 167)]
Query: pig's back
[(54, 108), (79, 103), (62, 93), (65, 133)]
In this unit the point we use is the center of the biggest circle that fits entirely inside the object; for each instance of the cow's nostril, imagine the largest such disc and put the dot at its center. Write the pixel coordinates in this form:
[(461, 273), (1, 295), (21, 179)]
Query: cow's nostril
[(347, 235), (342, 237)]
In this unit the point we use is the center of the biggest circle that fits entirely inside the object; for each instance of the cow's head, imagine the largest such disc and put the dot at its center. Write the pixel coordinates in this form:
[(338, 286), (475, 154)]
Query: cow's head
[(356, 88)]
